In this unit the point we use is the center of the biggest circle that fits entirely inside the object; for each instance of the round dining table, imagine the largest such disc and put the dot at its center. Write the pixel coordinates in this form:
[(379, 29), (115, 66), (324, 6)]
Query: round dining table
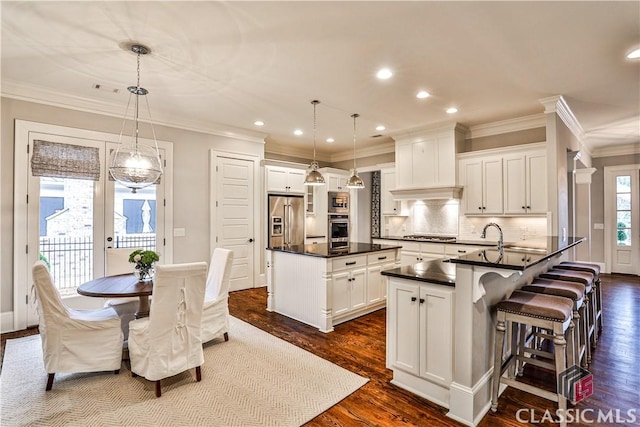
[(120, 286)]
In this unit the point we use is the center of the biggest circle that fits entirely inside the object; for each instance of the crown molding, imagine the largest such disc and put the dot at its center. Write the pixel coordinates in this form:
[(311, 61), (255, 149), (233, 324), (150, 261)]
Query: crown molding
[(617, 150), (289, 151), (557, 104), (506, 126), (428, 130), (375, 150), (29, 93)]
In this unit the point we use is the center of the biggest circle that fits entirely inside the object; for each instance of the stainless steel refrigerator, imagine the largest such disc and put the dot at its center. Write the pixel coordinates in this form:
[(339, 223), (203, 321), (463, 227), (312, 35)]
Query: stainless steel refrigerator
[(286, 220)]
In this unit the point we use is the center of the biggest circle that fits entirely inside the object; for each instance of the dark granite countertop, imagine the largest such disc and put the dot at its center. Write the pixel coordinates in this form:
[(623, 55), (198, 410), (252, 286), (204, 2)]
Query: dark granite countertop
[(437, 271), (479, 243), (518, 256), (323, 250)]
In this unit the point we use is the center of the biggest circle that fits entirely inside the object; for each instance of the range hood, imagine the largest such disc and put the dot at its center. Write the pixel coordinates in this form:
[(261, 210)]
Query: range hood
[(427, 193)]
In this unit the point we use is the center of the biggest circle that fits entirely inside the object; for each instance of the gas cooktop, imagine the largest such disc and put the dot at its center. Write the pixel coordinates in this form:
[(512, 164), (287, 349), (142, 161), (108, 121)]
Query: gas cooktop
[(428, 238)]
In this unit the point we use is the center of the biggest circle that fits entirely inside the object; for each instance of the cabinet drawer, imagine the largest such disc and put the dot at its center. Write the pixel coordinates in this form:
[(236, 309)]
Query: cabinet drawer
[(410, 246), (432, 248), (349, 262), (458, 250), (381, 257)]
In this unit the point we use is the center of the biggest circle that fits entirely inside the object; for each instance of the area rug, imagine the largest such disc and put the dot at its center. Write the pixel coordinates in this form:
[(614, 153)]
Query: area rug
[(254, 379)]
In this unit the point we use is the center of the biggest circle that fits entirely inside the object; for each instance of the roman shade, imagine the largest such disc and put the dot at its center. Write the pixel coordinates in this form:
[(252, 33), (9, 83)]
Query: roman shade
[(56, 160)]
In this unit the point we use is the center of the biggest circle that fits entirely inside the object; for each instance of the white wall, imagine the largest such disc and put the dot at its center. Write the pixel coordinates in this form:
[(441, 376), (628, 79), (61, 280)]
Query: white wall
[(191, 178)]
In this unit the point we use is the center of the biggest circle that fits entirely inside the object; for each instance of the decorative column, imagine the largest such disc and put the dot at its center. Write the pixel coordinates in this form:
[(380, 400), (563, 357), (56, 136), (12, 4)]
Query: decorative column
[(582, 178)]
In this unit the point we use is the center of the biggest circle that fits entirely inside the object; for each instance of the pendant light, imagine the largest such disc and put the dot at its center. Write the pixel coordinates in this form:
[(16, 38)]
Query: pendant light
[(354, 180), (136, 165), (314, 177)]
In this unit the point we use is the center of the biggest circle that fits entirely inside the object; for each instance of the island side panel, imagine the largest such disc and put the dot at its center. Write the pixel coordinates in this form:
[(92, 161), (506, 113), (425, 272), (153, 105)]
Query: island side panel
[(299, 288), (475, 333)]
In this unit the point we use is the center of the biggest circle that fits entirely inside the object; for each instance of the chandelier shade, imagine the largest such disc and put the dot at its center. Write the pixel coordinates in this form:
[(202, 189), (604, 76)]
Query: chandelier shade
[(136, 165), (354, 180), (313, 176)]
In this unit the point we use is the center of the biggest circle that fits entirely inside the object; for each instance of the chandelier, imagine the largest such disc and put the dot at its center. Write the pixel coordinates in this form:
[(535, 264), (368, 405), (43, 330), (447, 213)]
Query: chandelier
[(354, 180), (314, 177), (136, 165)]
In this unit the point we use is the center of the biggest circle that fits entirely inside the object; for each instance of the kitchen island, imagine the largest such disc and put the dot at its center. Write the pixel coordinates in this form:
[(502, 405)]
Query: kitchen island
[(322, 287), (428, 318)]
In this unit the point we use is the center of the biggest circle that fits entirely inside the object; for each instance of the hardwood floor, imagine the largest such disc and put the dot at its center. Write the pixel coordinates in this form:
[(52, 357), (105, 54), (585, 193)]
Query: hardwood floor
[(359, 346)]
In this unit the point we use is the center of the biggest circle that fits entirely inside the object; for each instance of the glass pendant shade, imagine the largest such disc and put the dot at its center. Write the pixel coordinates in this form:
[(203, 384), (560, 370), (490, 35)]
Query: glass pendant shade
[(354, 180), (136, 165), (314, 177)]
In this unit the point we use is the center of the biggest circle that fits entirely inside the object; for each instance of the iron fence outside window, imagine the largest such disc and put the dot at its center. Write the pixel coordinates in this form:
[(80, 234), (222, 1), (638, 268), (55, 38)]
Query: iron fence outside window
[(70, 259)]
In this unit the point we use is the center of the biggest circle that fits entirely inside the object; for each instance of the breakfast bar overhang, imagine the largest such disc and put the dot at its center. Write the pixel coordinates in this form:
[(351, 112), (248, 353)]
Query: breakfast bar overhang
[(482, 279)]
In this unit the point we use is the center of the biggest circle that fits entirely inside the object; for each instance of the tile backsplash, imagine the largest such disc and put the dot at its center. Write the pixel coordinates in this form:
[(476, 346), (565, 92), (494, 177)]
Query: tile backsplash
[(442, 218)]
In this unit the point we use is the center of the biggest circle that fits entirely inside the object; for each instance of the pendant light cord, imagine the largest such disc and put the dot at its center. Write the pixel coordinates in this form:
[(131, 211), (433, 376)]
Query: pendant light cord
[(355, 116), (137, 100), (314, 102)]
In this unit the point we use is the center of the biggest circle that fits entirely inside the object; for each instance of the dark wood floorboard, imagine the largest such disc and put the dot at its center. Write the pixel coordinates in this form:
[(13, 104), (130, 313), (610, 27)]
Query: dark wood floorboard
[(359, 346)]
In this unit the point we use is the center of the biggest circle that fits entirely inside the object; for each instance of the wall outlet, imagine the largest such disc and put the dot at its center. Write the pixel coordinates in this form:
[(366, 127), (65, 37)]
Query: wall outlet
[(598, 226)]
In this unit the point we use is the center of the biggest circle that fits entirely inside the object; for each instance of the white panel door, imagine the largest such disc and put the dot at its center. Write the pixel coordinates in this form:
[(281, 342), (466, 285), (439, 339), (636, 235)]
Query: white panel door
[(623, 208), (234, 221)]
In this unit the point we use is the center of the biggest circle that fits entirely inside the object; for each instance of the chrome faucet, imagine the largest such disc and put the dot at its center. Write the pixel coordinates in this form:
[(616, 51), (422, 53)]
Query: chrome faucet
[(500, 241)]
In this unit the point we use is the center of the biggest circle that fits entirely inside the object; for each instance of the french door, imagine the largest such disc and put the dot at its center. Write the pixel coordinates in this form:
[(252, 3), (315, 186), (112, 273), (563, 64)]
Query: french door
[(622, 218), (67, 221)]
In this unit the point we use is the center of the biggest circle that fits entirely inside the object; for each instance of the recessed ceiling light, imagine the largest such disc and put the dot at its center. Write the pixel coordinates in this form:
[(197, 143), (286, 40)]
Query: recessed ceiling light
[(452, 110), (384, 74), (330, 140), (423, 94), (634, 54), (380, 127), (297, 132), (258, 123)]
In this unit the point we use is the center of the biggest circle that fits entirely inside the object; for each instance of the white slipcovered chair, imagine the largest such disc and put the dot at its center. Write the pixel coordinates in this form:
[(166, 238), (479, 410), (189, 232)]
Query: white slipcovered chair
[(215, 314), (168, 341), (117, 262), (74, 340)]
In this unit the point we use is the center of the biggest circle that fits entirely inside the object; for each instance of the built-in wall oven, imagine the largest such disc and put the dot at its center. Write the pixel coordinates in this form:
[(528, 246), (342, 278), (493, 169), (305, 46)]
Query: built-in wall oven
[(338, 231)]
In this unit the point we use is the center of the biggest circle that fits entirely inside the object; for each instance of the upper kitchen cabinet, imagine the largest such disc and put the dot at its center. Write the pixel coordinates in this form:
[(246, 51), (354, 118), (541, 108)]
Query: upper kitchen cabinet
[(388, 205), (285, 180), (508, 181), (427, 158), (525, 183), (482, 182), (336, 182)]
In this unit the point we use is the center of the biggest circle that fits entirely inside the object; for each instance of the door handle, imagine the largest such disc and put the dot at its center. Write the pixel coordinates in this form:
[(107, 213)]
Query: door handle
[(250, 240)]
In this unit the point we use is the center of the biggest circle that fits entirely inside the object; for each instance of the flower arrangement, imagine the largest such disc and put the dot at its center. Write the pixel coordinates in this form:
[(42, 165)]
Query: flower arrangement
[(144, 260)]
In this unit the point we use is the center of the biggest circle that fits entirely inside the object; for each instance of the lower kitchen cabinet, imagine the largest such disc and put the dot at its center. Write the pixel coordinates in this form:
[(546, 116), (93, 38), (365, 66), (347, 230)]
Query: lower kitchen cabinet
[(420, 337), (349, 291)]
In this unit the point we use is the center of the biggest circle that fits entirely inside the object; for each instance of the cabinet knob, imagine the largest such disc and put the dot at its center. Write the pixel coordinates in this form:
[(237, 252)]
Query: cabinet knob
[(413, 299), (421, 300), (523, 207), (480, 207), (528, 207)]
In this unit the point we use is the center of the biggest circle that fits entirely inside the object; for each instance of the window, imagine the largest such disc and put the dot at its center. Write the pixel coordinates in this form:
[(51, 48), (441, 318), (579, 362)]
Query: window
[(623, 210)]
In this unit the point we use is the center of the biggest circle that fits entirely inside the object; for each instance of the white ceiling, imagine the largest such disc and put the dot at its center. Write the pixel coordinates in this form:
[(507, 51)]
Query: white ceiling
[(219, 66)]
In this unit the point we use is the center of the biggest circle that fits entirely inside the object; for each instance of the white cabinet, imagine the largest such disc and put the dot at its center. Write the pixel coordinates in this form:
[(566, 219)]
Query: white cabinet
[(349, 291), (506, 181), (336, 182), (420, 328), (482, 181), (376, 284), (285, 180), (415, 252), (311, 200), (428, 158), (388, 206), (525, 183)]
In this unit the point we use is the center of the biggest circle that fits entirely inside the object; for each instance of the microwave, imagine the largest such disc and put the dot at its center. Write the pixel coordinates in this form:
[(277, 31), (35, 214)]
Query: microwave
[(338, 202)]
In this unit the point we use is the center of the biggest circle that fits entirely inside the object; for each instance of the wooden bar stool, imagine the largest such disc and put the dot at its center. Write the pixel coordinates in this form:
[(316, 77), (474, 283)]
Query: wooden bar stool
[(587, 279), (548, 312), (576, 292), (597, 304)]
